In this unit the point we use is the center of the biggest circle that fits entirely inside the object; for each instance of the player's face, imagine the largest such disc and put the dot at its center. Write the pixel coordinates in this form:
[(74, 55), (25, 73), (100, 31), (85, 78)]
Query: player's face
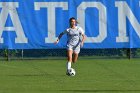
[(73, 22)]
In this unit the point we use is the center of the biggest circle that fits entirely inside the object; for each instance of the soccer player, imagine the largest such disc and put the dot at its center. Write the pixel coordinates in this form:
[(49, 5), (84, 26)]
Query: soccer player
[(76, 38)]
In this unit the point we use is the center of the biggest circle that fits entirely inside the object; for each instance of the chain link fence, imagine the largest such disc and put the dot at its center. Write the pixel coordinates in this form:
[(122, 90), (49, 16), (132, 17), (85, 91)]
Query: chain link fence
[(20, 54)]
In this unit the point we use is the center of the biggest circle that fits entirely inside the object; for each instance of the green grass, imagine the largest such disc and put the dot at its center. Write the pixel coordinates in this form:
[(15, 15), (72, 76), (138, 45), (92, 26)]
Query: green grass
[(92, 76)]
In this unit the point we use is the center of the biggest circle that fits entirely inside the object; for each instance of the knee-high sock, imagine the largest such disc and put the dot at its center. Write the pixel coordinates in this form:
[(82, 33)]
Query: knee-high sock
[(68, 65)]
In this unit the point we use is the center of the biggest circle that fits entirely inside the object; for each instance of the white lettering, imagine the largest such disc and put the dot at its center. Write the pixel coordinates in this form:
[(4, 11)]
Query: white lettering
[(123, 12), (102, 20), (51, 17), (10, 8)]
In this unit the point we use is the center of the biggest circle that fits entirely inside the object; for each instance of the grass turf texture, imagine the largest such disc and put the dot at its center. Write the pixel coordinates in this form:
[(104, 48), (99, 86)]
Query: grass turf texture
[(92, 76)]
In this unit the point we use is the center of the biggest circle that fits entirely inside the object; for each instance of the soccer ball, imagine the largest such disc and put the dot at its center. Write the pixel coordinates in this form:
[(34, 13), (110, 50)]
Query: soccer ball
[(71, 72)]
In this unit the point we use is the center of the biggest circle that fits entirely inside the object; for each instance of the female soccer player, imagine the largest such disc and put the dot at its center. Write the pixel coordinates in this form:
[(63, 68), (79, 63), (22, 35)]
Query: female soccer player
[(74, 41)]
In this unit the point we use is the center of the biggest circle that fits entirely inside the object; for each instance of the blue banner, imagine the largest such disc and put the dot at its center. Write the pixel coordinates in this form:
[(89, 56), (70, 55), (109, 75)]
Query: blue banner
[(36, 24)]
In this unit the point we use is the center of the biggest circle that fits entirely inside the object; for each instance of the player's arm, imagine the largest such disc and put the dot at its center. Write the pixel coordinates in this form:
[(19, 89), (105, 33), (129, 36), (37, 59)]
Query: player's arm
[(83, 39), (83, 36), (59, 37)]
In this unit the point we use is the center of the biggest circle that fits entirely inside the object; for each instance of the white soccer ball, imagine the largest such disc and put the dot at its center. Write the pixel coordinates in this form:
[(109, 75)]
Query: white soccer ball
[(72, 72)]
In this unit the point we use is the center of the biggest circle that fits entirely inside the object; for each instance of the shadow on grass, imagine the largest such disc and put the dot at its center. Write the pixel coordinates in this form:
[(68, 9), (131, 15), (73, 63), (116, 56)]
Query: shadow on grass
[(110, 91), (29, 75)]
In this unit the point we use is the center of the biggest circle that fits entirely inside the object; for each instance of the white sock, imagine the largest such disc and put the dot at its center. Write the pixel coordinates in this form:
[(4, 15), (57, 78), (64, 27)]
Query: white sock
[(68, 65)]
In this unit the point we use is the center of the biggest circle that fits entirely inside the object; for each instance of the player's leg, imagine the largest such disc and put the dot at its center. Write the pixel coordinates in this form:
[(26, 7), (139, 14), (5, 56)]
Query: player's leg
[(75, 53), (69, 58), (75, 57), (69, 55)]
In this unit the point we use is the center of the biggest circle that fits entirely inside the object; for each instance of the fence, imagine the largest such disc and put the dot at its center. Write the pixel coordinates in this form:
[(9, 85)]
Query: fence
[(61, 53)]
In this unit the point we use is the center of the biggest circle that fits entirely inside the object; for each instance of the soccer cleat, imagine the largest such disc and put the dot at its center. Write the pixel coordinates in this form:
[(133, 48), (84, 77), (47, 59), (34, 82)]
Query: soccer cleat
[(67, 73)]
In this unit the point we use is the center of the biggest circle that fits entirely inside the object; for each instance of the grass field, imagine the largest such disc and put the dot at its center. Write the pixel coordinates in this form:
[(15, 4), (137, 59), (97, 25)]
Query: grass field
[(48, 76)]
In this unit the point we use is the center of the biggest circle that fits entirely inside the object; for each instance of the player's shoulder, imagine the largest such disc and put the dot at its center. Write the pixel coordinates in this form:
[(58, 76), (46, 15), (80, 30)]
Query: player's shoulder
[(78, 28), (68, 29)]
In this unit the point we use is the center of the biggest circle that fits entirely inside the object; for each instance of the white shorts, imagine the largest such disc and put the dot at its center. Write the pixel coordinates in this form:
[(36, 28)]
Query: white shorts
[(76, 49)]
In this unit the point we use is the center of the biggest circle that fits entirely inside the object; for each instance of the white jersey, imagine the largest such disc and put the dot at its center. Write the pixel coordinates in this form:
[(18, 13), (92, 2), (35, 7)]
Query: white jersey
[(74, 35)]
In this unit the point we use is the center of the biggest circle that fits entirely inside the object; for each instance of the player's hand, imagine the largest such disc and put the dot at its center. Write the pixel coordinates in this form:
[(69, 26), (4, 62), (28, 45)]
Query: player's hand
[(56, 42)]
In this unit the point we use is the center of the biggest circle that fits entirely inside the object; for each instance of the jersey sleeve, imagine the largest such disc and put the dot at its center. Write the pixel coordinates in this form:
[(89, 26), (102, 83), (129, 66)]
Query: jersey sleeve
[(81, 30), (65, 31)]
